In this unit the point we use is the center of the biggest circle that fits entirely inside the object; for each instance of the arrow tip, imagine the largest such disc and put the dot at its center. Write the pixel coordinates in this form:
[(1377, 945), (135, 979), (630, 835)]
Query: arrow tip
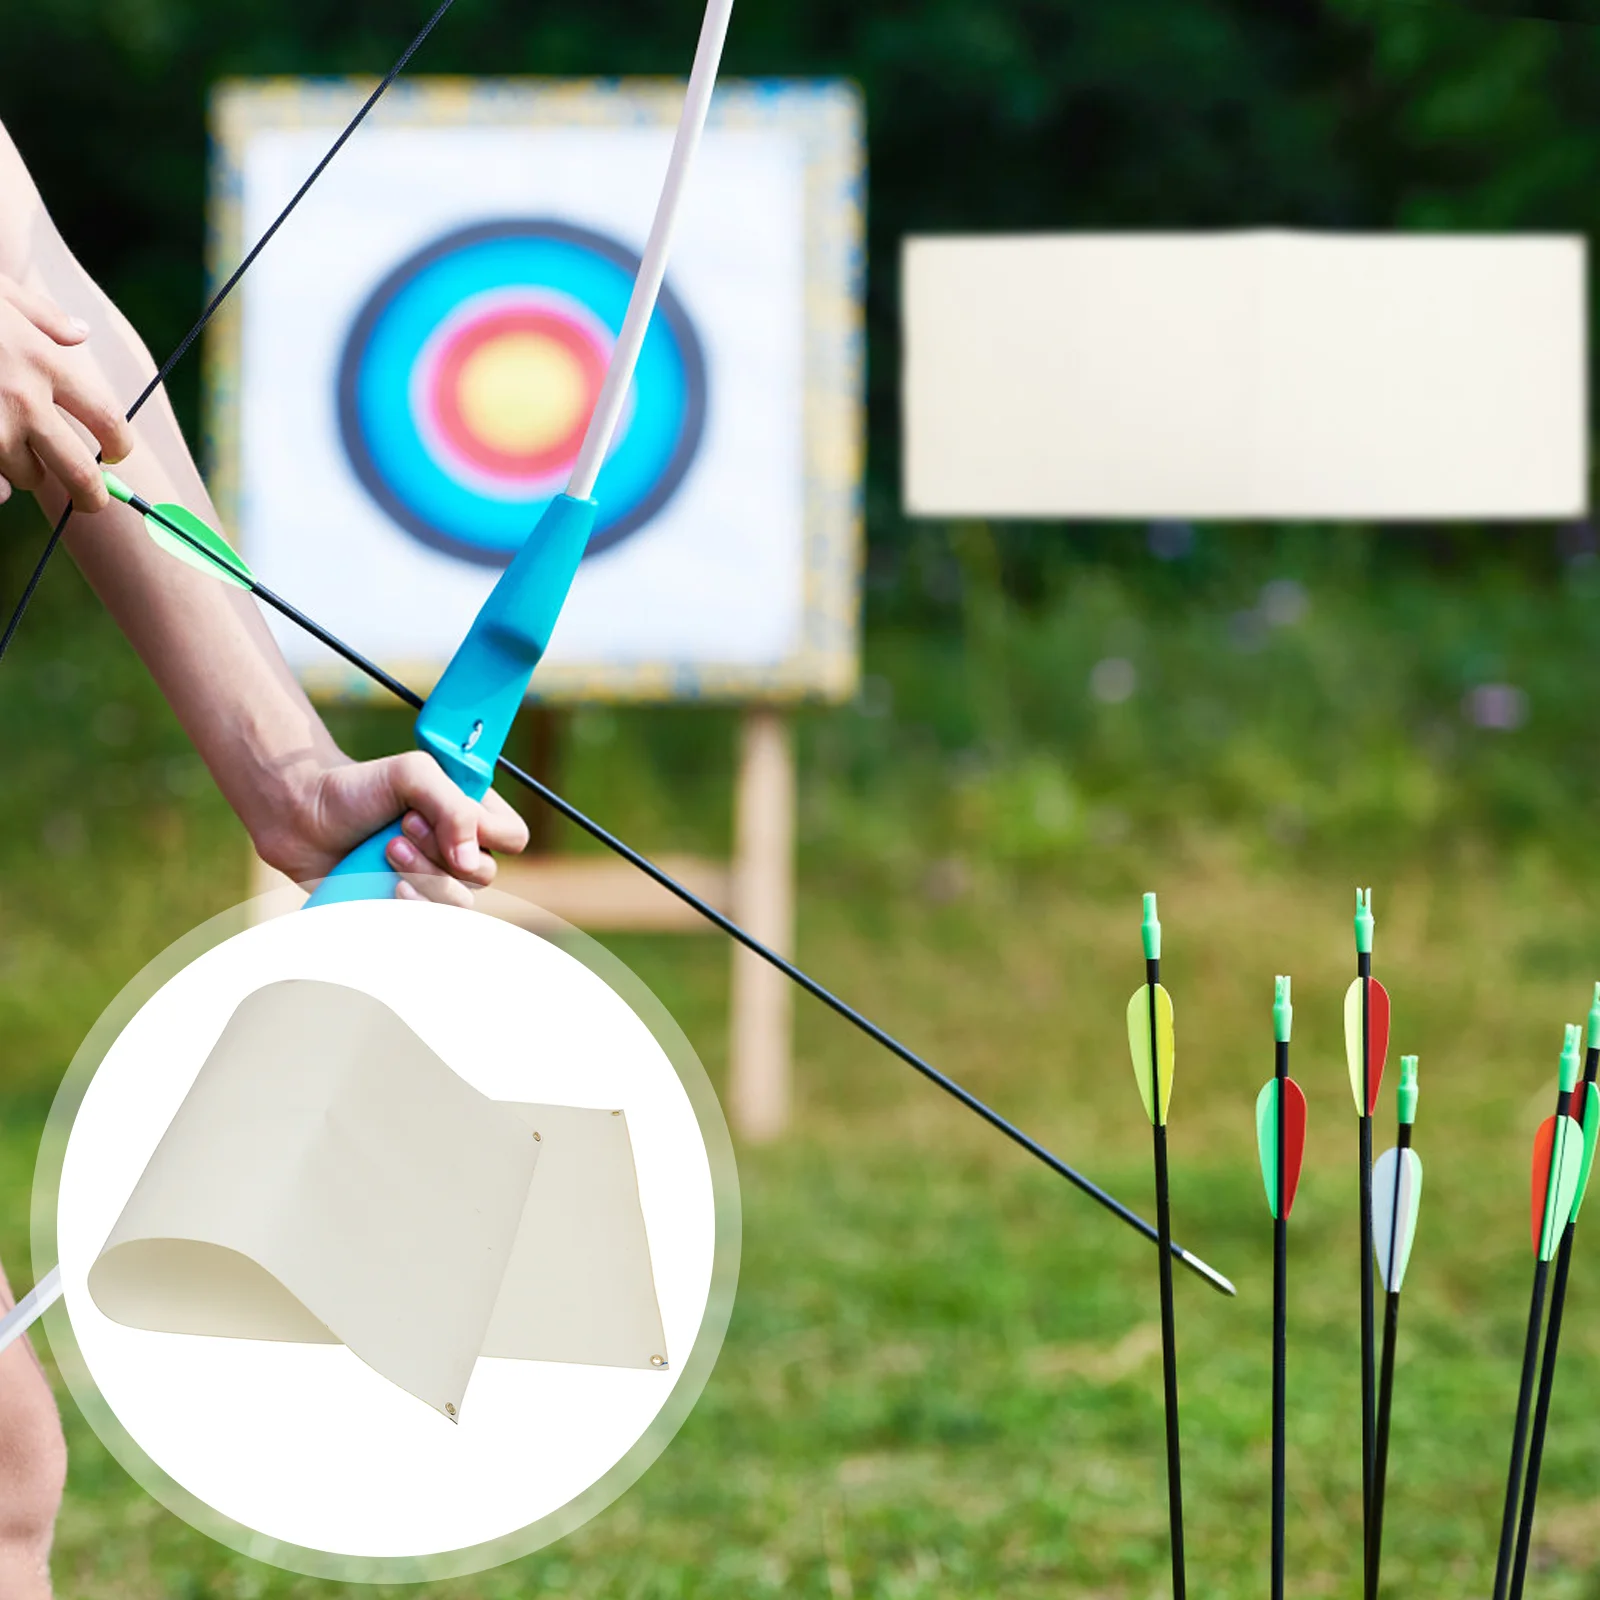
[(1210, 1274)]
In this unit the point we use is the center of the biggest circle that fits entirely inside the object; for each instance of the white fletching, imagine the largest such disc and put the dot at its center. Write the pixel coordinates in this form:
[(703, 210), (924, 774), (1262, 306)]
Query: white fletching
[(1392, 1203)]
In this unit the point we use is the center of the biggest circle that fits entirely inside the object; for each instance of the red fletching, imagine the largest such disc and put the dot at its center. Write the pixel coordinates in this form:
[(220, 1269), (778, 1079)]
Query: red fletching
[(1294, 1140), (1377, 1040), (1542, 1141)]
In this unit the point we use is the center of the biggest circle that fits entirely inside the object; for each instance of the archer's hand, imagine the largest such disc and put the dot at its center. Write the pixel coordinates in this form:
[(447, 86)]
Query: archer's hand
[(443, 855), (44, 379)]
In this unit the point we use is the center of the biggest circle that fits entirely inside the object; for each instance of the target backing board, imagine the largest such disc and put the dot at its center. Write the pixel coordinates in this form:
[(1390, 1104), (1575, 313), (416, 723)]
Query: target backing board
[(404, 378)]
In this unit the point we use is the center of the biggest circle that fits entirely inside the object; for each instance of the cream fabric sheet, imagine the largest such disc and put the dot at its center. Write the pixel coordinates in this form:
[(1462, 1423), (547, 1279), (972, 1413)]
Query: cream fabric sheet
[(329, 1179)]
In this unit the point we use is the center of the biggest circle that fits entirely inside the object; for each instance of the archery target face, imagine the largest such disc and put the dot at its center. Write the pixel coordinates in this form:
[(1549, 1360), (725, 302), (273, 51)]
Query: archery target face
[(417, 352), (468, 380)]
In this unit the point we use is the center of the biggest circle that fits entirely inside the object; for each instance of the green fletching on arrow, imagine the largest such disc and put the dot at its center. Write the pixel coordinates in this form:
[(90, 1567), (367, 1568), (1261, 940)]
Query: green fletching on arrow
[(1139, 1046), (1267, 1140), (1558, 1157), (190, 540), (1591, 1139), (1294, 1134)]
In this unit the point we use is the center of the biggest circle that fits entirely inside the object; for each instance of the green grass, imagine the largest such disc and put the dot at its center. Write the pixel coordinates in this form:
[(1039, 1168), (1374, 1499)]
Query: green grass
[(942, 1375)]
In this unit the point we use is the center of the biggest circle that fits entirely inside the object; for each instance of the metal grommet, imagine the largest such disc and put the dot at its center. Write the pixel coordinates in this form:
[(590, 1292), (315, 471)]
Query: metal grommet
[(658, 1361), (616, 1113), (449, 1410), (536, 1136)]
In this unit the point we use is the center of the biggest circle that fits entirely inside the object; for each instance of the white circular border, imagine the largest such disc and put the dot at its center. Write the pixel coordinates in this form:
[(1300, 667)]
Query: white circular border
[(694, 1370)]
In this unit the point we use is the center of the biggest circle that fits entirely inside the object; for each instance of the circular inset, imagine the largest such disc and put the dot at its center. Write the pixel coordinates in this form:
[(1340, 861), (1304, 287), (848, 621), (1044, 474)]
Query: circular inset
[(469, 377), (299, 1452)]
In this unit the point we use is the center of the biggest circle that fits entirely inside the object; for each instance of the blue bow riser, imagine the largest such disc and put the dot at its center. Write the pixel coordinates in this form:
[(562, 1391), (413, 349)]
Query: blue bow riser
[(463, 724)]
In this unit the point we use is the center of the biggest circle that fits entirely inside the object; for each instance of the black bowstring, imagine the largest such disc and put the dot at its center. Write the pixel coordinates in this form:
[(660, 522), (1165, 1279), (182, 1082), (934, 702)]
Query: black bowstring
[(215, 304)]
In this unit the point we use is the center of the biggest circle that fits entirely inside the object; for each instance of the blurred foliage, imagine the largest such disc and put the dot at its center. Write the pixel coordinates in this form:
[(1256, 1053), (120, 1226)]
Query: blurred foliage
[(1011, 114), (1057, 686)]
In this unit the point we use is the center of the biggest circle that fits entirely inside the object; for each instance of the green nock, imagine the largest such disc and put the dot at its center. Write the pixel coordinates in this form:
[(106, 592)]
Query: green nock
[(1594, 1020), (1569, 1058), (1408, 1090), (1151, 930), (118, 490), (1364, 922), (1282, 1011)]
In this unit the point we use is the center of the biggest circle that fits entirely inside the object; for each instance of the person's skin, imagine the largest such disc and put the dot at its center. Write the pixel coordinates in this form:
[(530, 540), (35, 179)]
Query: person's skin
[(70, 365)]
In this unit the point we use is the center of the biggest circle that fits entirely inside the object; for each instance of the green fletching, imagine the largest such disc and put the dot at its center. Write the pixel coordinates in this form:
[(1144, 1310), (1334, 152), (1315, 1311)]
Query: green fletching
[(1566, 1173), (1282, 1011), (1364, 922), (181, 533), (1570, 1052), (1408, 1089), (1591, 1138), (1151, 930), (1139, 1046), (1267, 1140)]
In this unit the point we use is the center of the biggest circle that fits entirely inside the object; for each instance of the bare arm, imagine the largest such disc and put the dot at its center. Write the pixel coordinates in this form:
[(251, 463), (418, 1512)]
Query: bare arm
[(302, 800)]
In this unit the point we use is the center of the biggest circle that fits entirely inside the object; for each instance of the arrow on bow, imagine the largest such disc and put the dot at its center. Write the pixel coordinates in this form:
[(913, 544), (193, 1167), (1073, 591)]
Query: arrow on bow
[(1558, 1173), (463, 723), (1281, 1138), (1396, 1197), (1152, 1042), (1366, 1042)]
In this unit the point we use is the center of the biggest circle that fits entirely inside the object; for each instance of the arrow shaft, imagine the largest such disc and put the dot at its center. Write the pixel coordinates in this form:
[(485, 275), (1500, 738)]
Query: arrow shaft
[(1391, 1324), (1541, 1415), (1380, 1458), (1364, 1201), (1280, 1325), (1169, 1331), (1519, 1431), (734, 931), (1547, 1378)]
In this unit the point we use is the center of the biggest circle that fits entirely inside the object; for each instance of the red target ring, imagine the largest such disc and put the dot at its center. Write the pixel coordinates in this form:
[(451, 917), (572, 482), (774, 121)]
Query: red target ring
[(511, 391)]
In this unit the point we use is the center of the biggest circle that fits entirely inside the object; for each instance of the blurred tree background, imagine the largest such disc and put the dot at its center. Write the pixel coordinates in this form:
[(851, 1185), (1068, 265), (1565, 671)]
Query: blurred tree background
[(1034, 114)]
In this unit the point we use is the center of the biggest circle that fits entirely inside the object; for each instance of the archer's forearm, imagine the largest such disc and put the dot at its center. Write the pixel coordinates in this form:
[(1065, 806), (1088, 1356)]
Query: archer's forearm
[(206, 645)]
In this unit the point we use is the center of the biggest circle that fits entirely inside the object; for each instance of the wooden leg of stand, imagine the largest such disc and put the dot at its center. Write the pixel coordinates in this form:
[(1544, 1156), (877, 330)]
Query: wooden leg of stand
[(763, 887)]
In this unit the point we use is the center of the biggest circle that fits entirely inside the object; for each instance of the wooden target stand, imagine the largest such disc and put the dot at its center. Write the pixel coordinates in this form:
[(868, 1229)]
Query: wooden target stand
[(755, 887)]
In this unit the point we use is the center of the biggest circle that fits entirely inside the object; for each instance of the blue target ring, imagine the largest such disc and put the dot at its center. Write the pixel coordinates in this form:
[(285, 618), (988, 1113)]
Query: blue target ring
[(470, 372)]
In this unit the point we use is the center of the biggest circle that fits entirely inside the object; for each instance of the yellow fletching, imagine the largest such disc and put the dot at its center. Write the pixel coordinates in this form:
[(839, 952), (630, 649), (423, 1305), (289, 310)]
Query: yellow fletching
[(1139, 1046), (1352, 1041)]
